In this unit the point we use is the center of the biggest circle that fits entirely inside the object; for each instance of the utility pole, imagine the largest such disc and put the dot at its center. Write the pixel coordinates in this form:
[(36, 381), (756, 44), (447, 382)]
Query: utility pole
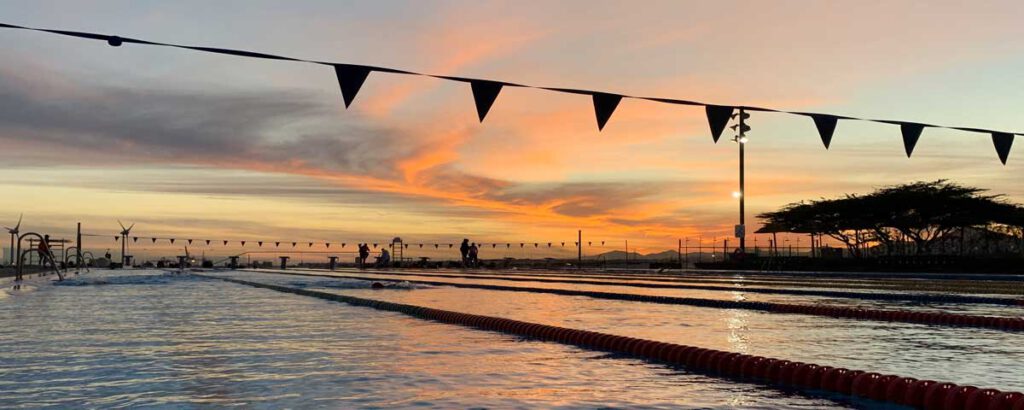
[(579, 249), (78, 247)]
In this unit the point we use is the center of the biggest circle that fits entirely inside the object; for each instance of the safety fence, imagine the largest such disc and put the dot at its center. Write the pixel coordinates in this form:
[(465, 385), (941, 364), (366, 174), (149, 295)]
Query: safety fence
[(904, 316), (926, 394)]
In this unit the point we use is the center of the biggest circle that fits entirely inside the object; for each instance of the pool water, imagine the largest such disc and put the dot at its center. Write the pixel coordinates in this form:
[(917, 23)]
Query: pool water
[(111, 339)]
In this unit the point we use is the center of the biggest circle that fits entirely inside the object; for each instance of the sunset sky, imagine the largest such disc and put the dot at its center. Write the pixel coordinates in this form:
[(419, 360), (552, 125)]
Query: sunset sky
[(193, 144)]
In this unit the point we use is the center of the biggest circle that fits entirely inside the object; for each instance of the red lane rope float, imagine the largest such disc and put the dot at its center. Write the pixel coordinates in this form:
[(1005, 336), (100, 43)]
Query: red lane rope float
[(925, 394), (902, 316)]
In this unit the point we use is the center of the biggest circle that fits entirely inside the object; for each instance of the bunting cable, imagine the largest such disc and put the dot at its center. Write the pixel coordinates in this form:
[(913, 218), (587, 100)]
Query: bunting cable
[(485, 91)]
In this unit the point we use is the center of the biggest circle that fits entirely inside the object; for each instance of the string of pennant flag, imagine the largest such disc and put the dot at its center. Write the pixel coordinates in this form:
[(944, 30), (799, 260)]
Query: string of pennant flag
[(485, 92), (294, 244)]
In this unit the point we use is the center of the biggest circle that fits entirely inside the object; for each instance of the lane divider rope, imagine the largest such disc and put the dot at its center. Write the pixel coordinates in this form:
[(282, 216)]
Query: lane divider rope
[(915, 297), (908, 391), (903, 316)]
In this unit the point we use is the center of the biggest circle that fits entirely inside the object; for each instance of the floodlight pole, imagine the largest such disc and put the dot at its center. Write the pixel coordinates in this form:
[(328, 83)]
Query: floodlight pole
[(743, 196)]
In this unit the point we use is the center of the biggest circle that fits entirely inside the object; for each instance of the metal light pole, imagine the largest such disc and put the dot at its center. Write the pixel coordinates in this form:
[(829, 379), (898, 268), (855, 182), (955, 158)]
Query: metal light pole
[(741, 139)]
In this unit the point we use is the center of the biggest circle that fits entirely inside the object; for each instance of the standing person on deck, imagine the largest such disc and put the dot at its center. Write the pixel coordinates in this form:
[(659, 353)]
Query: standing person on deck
[(44, 252), (464, 249), (473, 252), (364, 252)]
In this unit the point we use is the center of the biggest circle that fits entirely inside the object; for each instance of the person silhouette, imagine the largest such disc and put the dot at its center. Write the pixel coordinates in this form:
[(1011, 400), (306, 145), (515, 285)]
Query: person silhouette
[(364, 252), (473, 255), (44, 252), (464, 250)]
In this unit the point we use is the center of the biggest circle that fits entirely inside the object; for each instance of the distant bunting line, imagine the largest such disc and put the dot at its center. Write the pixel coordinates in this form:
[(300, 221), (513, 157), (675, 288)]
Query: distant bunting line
[(485, 91)]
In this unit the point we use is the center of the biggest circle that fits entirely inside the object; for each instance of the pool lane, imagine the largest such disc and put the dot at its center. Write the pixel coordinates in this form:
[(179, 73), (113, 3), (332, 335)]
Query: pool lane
[(737, 294), (974, 356)]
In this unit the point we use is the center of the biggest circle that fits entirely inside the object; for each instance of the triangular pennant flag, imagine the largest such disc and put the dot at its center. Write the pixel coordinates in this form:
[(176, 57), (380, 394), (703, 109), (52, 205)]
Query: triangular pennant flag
[(484, 94), (435, 246), (563, 244), (508, 245), (117, 238), (135, 239), (450, 246), (153, 239), (189, 241), (421, 245), (826, 127), (521, 245), (260, 243), (350, 79), (911, 132), (293, 244), (343, 244), (718, 118), (243, 243), (172, 240), (328, 244), (225, 243), (1003, 142), (207, 242), (374, 246), (494, 245), (604, 106), (311, 244), (277, 244)]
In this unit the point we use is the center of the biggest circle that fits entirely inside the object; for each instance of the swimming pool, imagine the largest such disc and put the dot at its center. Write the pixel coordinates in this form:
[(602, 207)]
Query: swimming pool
[(134, 338)]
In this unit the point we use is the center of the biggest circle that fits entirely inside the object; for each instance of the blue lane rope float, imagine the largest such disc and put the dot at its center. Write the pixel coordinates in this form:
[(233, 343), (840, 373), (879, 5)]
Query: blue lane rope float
[(907, 391), (903, 316)]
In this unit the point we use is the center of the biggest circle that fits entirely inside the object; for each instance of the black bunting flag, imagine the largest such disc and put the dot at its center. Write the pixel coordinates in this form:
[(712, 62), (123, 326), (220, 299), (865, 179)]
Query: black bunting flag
[(172, 241), (260, 243), (189, 241), (135, 239), (911, 133), (207, 242), (243, 243), (277, 244), (826, 125), (153, 239), (225, 243), (604, 106), (117, 238), (718, 118), (293, 244), (1003, 141), (484, 94), (350, 79)]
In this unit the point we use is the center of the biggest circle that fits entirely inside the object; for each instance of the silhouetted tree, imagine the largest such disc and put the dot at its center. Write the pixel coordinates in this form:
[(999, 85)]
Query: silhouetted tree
[(925, 213)]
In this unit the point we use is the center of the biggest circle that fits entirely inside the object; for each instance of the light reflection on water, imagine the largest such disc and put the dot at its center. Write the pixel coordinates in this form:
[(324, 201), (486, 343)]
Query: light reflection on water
[(980, 357), (187, 342)]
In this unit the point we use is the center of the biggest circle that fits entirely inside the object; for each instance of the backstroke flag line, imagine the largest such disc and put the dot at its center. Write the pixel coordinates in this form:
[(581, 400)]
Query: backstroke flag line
[(352, 76)]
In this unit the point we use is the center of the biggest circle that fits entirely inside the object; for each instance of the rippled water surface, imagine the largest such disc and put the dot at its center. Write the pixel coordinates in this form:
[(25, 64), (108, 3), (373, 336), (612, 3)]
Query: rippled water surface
[(145, 338)]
